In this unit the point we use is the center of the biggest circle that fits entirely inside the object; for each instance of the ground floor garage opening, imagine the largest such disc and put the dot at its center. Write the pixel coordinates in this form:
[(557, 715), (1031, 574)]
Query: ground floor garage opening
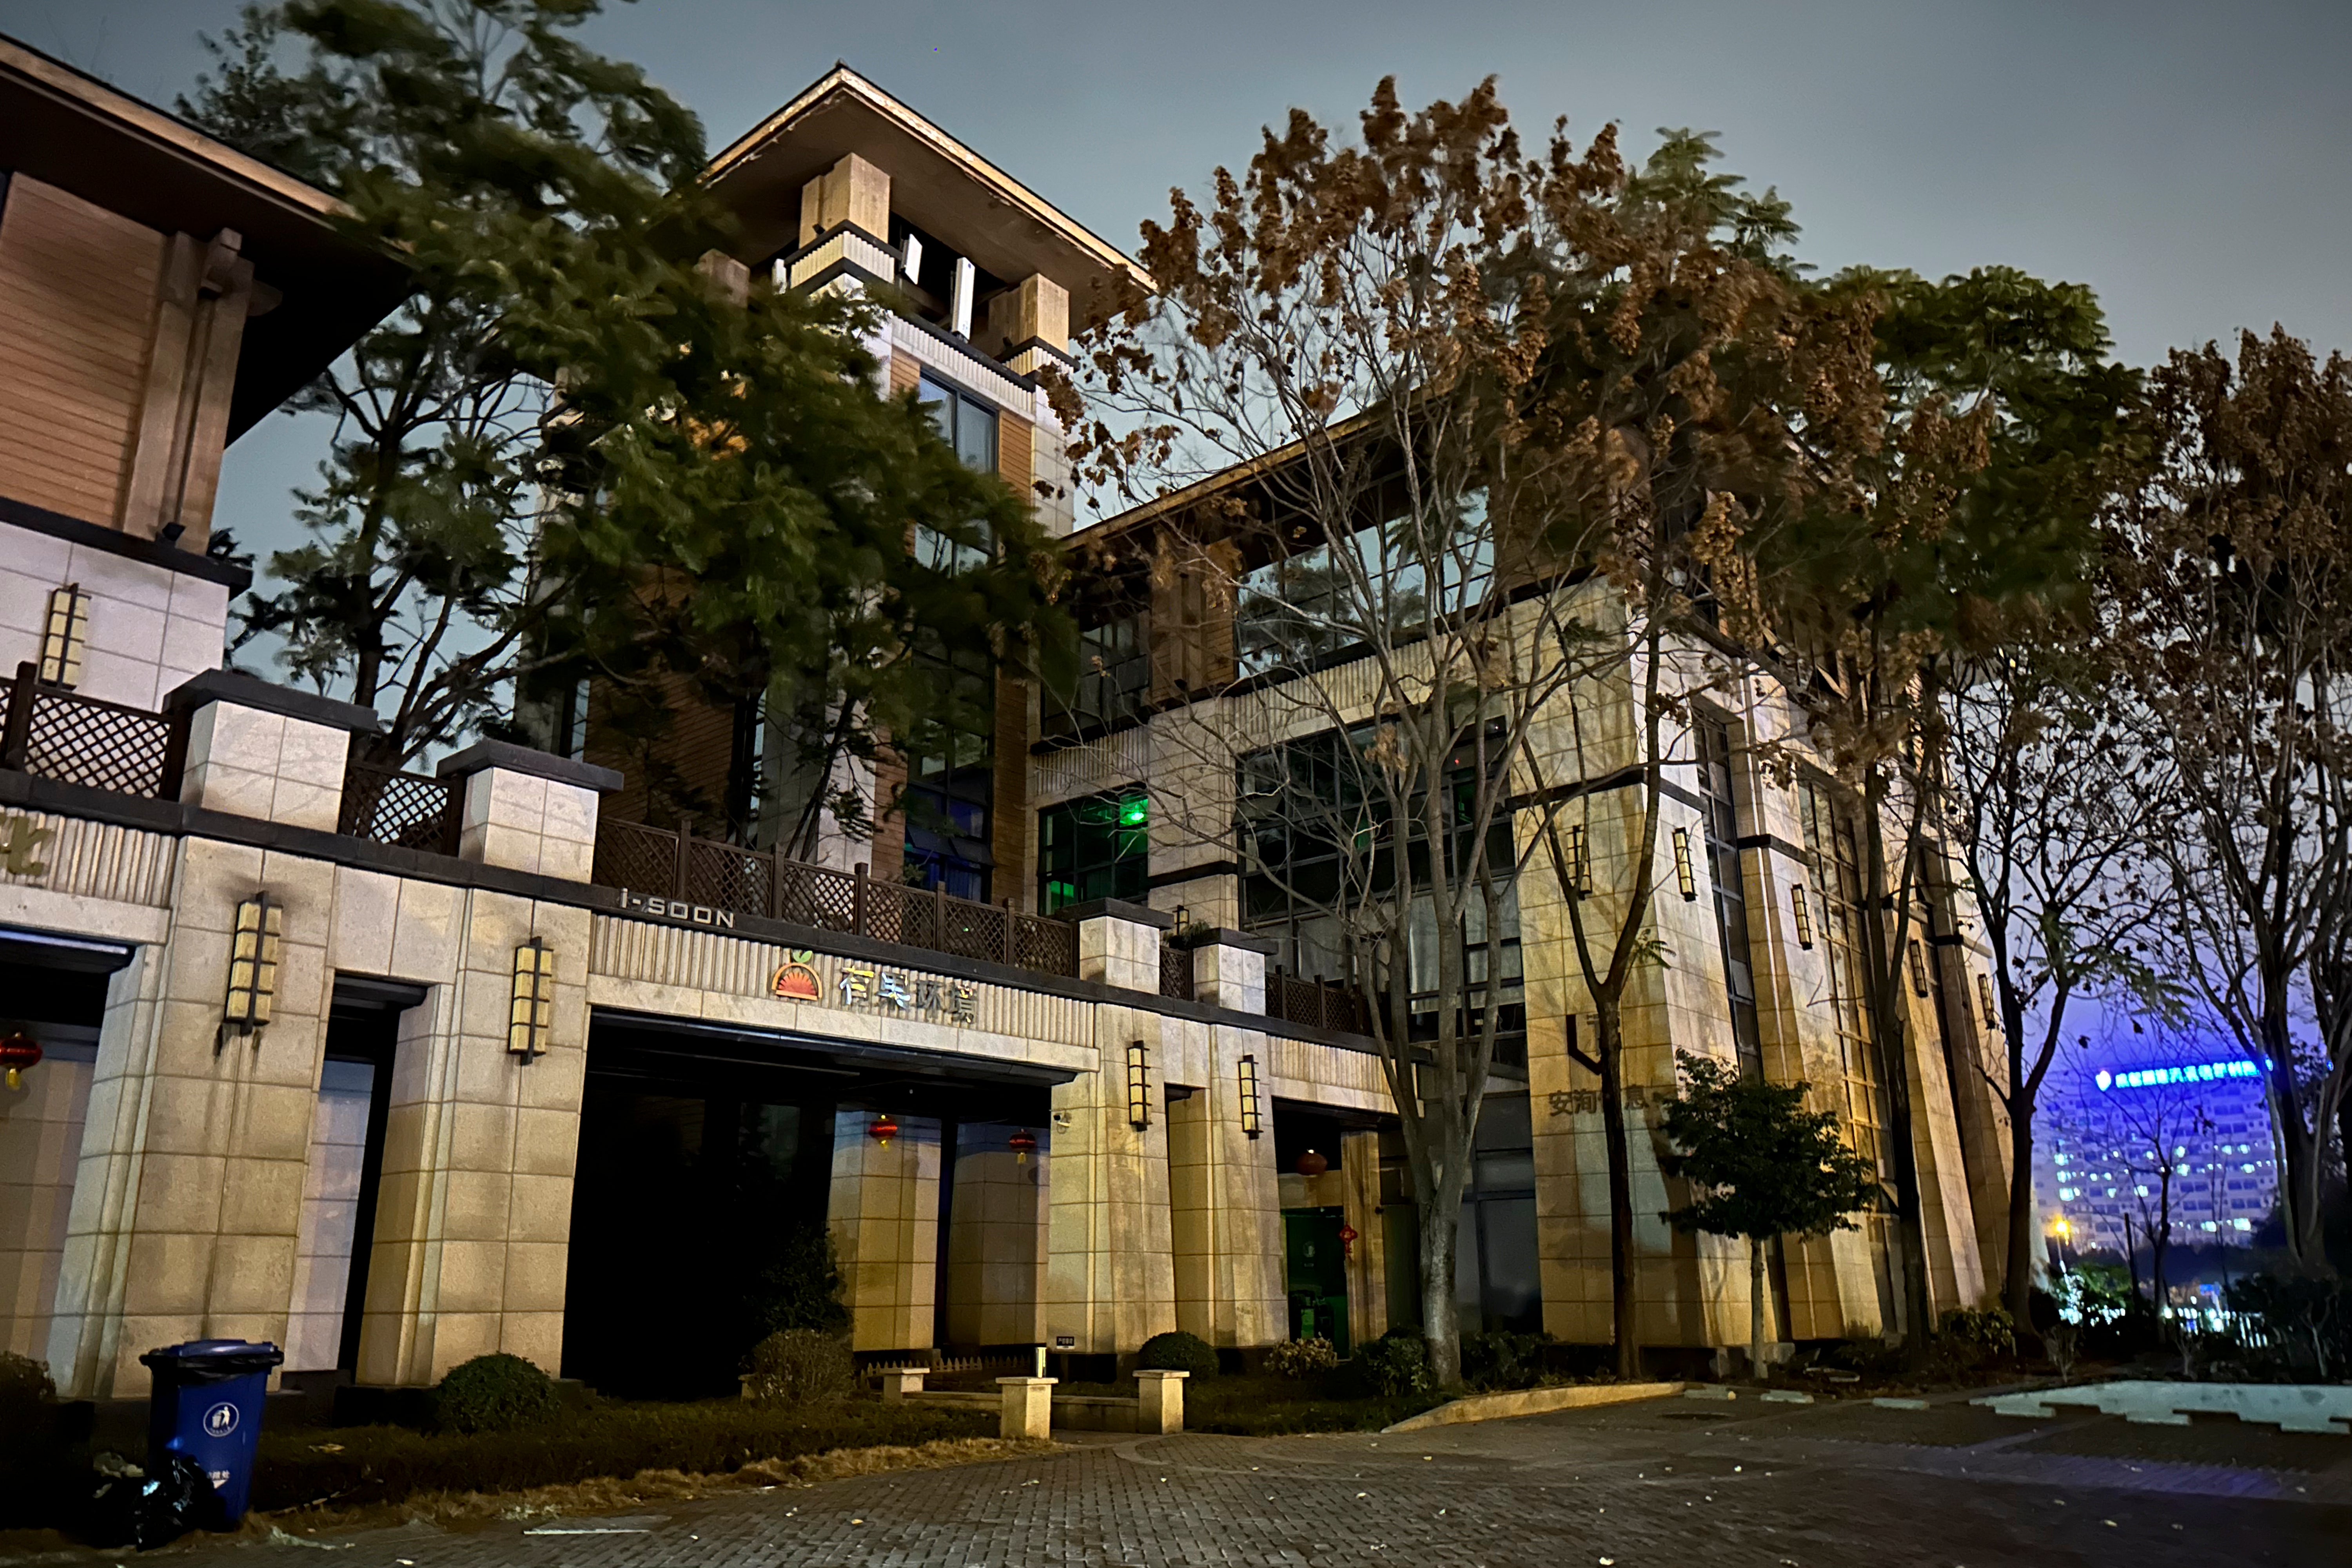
[(718, 1170)]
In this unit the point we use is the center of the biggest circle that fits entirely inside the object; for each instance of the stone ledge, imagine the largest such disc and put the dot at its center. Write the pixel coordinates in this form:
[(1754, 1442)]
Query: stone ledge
[(1532, 1402), (1118, 910), (1225, 936), (248, 691), (531, 764)]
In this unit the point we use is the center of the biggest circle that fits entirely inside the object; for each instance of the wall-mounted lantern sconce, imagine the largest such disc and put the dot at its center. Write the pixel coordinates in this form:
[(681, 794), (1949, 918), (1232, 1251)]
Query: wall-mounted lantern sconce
[(1579, 860), (1139, 1086), (1804, 916), (1251, 1126), (1918, 968), (254, 944), (1685, 877), (531, 1021), (1985, 1001)]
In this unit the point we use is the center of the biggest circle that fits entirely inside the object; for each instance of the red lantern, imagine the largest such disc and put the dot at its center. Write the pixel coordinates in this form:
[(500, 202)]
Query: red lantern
[(1024, 1143), (883, 1130), (1312, 1164), (18, 1052), (1347, 1240)]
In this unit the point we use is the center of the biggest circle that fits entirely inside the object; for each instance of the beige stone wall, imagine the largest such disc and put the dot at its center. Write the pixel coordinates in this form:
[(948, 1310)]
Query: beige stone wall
[(885, 1217), (40, 1134), (1225, 1204), (997, 1239), (1110, 1280)]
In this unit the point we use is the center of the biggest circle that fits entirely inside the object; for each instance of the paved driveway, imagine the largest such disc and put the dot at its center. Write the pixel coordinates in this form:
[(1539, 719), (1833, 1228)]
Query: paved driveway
[(1666, 1482)]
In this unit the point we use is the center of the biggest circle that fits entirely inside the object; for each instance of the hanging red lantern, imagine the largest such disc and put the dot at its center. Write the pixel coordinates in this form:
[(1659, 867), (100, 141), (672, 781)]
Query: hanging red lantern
[(18, 1052), (883, 1130), (1347, 1240), (1023, 1144), (1312, 1164)]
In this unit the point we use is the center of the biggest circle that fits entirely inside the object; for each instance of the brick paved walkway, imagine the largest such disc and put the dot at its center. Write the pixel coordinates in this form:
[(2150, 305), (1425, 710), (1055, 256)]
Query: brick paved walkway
[(1665, 1483)]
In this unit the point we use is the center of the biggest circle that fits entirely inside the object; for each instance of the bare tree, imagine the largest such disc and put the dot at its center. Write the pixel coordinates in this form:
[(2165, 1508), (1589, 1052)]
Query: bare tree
[(2236, 550)]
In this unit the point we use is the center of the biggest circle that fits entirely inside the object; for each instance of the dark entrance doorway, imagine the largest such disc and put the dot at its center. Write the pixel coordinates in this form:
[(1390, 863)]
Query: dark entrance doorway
[(1315, 1273), (704, 1179)]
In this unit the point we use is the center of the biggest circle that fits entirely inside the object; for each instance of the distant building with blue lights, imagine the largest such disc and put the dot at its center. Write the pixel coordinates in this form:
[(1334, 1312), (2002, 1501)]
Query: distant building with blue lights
[(2097, 1156)]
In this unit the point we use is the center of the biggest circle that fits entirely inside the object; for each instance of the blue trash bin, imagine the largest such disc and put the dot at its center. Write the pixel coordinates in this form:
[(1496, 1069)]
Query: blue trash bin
[(206, 1403)]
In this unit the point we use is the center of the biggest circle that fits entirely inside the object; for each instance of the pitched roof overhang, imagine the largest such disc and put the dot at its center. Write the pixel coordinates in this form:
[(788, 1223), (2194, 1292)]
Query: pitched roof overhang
[(70, 130)]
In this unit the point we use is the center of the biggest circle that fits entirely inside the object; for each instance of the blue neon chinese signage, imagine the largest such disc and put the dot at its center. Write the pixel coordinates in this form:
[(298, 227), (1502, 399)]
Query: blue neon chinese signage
[(2149, 1077)]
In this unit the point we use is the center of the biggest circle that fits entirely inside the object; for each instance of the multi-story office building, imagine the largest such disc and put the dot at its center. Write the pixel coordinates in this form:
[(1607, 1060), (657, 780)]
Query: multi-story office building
[(398, 1072), (2107, 1138)]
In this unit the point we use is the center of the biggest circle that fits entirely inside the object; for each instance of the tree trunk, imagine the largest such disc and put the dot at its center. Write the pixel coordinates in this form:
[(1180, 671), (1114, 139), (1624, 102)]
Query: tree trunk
[(2017, 1281), (1439, 1311), (1625, 1314), (1756, 1307)]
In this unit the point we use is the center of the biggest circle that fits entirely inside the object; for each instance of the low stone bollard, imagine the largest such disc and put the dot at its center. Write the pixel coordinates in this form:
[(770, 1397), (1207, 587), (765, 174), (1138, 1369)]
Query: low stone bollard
[(1028, 1406), (897, 1381), (1160, 1401)]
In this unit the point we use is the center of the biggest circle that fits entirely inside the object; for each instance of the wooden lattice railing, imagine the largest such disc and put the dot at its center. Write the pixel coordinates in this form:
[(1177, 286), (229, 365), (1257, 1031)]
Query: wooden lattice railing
[(59, 734)]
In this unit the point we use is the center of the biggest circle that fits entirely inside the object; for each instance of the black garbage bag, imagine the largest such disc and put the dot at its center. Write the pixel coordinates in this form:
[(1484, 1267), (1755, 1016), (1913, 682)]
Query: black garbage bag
[(149, 1508)]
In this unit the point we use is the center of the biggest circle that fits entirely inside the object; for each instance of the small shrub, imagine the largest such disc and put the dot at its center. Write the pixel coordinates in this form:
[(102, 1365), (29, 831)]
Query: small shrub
[(25, 1388), (1502, 1359), (2305, 1324), (1395, 1365), (495, 1393), (1978, 1334), (1179, 1352), (1872, 1357), (1302, 1358), (800, 1366), (797, 1285)]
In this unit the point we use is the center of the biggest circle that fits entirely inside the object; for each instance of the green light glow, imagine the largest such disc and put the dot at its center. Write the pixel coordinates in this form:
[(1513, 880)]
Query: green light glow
[(1134, 813)]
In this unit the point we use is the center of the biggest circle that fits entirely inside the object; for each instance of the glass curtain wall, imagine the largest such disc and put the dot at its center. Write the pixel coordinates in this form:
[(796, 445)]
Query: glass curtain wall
[(1720, 817)]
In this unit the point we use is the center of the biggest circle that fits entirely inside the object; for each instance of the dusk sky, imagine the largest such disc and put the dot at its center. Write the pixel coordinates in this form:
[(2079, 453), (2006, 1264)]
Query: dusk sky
[(2187, 160)]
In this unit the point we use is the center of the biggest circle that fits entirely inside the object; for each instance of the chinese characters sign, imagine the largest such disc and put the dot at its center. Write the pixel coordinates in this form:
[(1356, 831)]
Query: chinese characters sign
[(872, 988), (1585, 1102)]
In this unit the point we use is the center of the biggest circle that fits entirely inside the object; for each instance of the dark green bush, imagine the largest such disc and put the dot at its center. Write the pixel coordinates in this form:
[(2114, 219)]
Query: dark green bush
[(2305, 1324), (386, 1464), (1395, 1365), (800, 1366), (796, 1285), (1179, 1352), (1300, 1359), (1969, 1337), (495, 1393), (1501, 1359), (39, 1467)]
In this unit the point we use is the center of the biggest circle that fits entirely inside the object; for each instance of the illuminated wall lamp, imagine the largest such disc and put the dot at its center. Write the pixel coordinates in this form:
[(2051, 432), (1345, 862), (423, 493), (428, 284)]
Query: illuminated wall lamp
[(1918, 968), (1251, 1125), (1985, 1001), (253, 953), (1579, 861), (1685, 877), (1804, 916), (1139, 1086), (531, 1020)]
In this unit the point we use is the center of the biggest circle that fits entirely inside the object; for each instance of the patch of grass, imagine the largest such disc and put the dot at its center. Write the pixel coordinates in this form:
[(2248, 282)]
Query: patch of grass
[(361, 1465)]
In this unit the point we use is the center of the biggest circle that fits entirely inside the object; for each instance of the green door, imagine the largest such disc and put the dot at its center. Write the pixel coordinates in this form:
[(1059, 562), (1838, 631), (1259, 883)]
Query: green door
[(1316, 1274)]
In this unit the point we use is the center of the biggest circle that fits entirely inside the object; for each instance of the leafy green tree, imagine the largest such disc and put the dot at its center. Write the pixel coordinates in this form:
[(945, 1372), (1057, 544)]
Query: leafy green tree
[(1759, 1165), (587, 445)]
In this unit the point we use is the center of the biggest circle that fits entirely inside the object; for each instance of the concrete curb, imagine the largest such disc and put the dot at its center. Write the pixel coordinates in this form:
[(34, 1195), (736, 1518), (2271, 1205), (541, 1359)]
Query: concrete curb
[(1531, 1402)]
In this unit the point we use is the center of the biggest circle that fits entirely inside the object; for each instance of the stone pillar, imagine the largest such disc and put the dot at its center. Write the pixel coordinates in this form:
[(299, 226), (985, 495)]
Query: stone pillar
[(899, 1382), (1160, 1401), (885, 1216), (188, 1192), (473, 1215), (1032, 323), (996, 1238), (1224, 1206), (528, 811), (1368, 1263), (1028, 1407), (1229, 971), (1110, 1278), (852, 191), (266, 752), (1119, 943)]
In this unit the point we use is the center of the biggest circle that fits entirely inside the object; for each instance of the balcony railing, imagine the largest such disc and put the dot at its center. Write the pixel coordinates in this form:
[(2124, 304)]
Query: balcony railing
[(1175, 969), (723, 876), (59, 734), (1315, 1002), (415, 811)]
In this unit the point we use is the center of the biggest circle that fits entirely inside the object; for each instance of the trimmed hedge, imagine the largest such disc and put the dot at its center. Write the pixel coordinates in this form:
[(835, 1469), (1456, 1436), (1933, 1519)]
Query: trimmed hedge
[(1178, 1351), (495, 1393), (386, 1464)]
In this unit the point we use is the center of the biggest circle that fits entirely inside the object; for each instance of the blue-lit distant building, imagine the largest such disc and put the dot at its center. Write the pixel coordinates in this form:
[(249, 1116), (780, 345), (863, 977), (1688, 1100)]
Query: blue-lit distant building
[(2094, 1162)]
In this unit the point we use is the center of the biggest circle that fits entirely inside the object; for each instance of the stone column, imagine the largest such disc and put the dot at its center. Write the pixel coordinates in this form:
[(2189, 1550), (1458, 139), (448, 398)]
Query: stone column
[(1229, 971), (1159, 1400), (1119, 943), (1224, 1206), (474, 1215), (1368, 1263), (996, 1238), (266, 752), (1111, 1278), (527, 810), (885, 1217)]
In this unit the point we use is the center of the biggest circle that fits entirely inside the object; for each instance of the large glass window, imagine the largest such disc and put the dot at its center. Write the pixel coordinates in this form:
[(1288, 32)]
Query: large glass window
[(1098, 847), (1297, 612), (969, 425), (1114, 678), (1721, 821), (951, 784)]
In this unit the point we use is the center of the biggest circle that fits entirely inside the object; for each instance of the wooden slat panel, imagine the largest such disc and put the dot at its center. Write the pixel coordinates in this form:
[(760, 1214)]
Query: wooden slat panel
[(905, 373), (1010, 819), (1014, 456), (77, 305)]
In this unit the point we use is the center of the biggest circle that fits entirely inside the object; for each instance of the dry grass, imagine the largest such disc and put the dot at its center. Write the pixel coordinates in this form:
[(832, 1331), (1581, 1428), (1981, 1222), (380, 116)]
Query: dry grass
[(472, 1511)]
